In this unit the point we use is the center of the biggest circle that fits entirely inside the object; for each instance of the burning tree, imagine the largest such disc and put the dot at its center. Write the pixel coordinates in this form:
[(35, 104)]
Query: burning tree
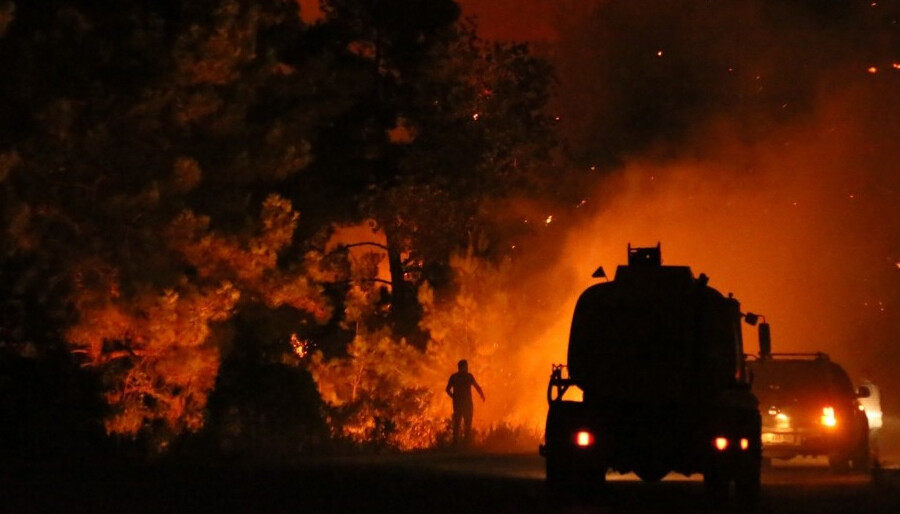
[(156, 159), (157, 348), (375, 394), (390, 392), (140, 179)]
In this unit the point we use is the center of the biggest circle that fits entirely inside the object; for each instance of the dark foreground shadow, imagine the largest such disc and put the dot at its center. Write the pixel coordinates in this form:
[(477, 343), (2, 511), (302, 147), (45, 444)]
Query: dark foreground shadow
[(395, 485)]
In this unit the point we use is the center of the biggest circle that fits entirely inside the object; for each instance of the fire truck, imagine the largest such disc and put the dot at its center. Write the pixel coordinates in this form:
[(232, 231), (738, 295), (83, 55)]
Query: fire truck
[(659, 358)]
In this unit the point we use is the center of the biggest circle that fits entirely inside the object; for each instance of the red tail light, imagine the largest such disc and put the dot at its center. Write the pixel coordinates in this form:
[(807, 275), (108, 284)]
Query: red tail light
[(584, 438), (828, 419), (720, 443)]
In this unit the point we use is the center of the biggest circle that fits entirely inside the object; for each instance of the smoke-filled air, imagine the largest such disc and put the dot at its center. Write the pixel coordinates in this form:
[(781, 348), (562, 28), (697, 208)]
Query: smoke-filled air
[(756, 141), (276, 226)]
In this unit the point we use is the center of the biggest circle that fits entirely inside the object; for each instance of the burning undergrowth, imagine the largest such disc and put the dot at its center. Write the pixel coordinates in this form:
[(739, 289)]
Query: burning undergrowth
[(388, 392), (778, 181)]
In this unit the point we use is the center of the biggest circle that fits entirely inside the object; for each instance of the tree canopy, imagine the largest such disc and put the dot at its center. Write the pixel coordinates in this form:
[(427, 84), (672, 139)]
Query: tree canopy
[(171, 167)]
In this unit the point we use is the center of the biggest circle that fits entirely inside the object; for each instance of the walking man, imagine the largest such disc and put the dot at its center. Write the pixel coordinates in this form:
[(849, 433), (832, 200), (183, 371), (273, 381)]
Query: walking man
[(459, 387)]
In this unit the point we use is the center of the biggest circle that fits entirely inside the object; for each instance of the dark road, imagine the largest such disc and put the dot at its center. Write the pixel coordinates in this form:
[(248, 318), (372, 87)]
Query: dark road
[(432, 483)]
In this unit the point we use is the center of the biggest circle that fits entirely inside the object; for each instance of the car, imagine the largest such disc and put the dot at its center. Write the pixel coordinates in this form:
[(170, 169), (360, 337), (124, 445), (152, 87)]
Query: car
[(809, 407)]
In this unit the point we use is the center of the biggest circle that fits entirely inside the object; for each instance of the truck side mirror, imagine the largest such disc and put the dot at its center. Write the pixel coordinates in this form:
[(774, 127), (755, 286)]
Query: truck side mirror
[(765, 340)]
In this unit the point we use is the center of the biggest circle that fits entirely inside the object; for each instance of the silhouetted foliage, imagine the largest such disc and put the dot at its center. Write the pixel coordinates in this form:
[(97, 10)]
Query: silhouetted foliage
[(171, 172)]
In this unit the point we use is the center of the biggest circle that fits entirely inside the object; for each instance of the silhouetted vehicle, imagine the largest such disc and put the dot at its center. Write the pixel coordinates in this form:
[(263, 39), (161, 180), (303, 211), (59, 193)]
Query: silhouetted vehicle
[(658, 355), (810, 408)]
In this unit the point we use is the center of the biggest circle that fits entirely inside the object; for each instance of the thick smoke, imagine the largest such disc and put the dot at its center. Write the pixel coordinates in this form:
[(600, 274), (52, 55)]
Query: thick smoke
[(756, 141)]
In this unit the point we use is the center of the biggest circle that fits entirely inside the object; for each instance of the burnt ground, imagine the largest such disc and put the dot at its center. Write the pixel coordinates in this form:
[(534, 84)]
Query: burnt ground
[(423, 483)]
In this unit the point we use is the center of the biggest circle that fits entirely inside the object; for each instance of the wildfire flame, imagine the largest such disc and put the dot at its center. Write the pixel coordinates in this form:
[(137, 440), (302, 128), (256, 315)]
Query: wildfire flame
[(300, 346)]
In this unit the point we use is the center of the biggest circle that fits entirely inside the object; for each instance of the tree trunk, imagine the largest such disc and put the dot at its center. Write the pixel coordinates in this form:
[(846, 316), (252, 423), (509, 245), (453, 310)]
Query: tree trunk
[(405, 309)]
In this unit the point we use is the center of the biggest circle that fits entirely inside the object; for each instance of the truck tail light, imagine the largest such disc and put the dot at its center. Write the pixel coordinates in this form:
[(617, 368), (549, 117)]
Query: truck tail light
[(720, 443), (745, 443), (828, 418), (583, 438)]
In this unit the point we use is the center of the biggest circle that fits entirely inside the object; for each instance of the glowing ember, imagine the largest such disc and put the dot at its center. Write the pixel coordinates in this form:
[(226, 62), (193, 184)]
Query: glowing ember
[(873, 70), (549, 219), (476, 116), (300, 346)]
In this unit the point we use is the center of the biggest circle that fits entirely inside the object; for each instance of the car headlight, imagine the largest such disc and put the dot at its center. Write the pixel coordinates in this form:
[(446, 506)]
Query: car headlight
[(782, 421)]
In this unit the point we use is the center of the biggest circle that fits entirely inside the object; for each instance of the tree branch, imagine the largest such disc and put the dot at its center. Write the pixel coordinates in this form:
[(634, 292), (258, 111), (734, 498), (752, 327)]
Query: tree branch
[(345, 247)]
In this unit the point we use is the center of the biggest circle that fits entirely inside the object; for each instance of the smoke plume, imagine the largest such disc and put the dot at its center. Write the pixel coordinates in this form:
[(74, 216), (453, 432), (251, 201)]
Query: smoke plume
[(755, 140)]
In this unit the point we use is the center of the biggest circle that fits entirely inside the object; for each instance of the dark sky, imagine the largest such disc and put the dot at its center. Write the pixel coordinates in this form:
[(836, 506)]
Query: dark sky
[(497, 19)]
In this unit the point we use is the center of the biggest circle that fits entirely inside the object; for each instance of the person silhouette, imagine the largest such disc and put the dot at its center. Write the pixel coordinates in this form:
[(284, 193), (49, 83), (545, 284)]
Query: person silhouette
[(459, 388)]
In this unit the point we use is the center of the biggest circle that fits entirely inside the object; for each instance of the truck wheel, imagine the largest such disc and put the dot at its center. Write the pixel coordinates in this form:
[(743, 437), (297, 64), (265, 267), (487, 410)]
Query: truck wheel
[(839, 463), (558, 473), (651, 474), (567, 480), (747, 487), (715, 485)]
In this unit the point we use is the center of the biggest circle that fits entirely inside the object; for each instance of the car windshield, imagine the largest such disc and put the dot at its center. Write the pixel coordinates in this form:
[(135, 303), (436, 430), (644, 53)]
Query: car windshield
[(799, 379)]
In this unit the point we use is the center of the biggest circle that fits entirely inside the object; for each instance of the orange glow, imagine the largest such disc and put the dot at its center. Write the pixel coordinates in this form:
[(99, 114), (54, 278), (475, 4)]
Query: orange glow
[(310, 11), (720, 443), (515, 21), (300, 346), (828, 418), (584, 438), (745, 443), (782, 420), (728, 215), (873, 70)]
